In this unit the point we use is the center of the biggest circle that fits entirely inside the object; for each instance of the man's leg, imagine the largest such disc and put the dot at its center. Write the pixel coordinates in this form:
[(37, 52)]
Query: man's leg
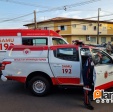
[(87, 101), (91, 92)]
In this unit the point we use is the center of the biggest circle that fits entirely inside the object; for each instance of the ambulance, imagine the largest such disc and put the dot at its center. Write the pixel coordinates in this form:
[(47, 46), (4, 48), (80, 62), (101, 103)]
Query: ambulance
[(42, 67), (27, 37)]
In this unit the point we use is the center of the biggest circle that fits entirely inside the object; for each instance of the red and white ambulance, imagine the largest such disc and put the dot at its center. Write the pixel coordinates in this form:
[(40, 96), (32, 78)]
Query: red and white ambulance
[(27, 37), (41, 67)]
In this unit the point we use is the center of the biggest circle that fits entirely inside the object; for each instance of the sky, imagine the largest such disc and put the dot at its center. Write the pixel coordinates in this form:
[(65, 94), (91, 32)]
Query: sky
[(16, 13)]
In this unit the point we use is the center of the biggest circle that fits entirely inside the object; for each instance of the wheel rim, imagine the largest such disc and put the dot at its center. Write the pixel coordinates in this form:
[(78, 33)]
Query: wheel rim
[(39, 86)]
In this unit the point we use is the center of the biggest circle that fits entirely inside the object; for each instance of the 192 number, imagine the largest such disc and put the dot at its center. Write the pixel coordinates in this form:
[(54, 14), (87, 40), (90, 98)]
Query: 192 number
[(4, 46), (66, 71)]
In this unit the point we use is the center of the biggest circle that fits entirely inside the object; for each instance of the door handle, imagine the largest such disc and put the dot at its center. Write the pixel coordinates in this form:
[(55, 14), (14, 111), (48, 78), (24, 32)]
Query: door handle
[(57, 65), (99, 72)]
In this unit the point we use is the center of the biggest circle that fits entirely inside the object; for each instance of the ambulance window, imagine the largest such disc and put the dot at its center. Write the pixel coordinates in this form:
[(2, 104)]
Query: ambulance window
[(57, 41), (69, 54), (40, 41), (34, 41), (27, 41), (100, 57)]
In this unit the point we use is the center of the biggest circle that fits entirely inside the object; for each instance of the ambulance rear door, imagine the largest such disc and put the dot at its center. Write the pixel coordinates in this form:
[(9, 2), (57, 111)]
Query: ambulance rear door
[(103, 69), (6, 41)]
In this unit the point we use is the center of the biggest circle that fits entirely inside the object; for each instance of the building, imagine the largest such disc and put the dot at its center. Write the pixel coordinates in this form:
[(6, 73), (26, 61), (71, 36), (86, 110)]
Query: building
[(78, 29)]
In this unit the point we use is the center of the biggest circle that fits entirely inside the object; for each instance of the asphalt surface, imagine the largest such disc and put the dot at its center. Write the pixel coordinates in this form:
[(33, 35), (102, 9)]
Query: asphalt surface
[(14, 97)]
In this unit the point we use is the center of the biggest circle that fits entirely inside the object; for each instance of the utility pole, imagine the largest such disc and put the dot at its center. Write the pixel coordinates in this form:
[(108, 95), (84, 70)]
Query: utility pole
[(98, 26), (35, 23)]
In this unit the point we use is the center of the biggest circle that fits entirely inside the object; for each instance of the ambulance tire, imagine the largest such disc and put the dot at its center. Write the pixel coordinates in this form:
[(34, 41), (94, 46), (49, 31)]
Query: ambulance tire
[(39, 86)]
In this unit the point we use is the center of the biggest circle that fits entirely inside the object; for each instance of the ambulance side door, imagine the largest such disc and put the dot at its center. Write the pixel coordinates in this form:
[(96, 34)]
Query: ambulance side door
[(103, 70), (65, 64)]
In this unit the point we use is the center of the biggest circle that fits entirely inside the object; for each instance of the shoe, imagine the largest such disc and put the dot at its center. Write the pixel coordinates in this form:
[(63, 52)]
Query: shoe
[(88, 106)]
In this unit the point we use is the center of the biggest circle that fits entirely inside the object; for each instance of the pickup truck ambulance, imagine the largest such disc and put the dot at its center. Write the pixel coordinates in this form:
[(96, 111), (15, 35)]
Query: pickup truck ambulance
[(27, 37), (41, 67)]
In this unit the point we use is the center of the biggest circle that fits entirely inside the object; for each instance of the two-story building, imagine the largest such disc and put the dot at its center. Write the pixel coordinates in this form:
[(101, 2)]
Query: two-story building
[(78, 29)]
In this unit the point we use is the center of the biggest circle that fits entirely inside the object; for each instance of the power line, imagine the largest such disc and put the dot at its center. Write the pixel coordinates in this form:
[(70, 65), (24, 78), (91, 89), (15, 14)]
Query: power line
[(108, 20), (23, 3), (106, 11), (53, 9), (65, 7), (32, 13), (80, 10), (82, 3), (16, 18), (99, 16)]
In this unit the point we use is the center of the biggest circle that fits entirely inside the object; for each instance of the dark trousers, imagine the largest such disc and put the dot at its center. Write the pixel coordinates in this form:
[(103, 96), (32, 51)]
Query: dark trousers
[(88, 94), (0, 73)]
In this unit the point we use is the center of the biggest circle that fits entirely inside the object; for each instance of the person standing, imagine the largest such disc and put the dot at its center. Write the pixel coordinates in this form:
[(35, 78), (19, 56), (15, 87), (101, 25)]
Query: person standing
[(111, 48), (88, 88), (108, 48)]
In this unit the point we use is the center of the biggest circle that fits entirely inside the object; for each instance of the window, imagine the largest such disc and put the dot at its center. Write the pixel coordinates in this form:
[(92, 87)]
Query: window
[(62, 27), (57, 41), (93, 39), (84, 27), (95, 28), (34, 41), (111, 39), (104, 28), (85, 52), (100, 25), (103, 39), (45, 28), (74, 25), (100, 57), (87, 38), (39, 42), (69, 54)]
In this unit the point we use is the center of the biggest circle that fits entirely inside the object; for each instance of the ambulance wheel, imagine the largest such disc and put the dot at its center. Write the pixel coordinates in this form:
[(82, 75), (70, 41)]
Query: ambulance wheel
[(39, 86)]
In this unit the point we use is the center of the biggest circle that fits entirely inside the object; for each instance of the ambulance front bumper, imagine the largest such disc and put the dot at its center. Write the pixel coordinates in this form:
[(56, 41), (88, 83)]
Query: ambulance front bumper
[(3, 78)]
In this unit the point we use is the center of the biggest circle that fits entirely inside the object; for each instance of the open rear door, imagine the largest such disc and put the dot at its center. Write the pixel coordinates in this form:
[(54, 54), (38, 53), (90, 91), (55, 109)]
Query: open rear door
[(103, 69)]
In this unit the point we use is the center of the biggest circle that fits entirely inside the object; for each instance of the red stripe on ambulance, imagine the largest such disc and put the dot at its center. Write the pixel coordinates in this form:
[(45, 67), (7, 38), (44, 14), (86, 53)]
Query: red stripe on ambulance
[(17, 78), (60, 80), (23, 47), (105, 86)]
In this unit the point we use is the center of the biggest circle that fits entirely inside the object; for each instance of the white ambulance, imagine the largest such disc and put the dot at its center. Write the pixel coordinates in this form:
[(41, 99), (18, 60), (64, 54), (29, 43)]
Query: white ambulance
[(27, 37), (41, 67)]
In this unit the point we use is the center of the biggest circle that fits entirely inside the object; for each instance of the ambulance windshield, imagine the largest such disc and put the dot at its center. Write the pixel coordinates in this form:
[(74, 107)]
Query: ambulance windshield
[(101, 57)]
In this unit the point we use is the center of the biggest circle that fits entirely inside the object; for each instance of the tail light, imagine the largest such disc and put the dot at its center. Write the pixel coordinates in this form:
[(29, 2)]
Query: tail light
[(4, 63)]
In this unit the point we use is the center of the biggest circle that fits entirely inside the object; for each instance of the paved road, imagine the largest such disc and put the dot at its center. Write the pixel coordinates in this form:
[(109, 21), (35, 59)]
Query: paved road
[(15, 98)]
